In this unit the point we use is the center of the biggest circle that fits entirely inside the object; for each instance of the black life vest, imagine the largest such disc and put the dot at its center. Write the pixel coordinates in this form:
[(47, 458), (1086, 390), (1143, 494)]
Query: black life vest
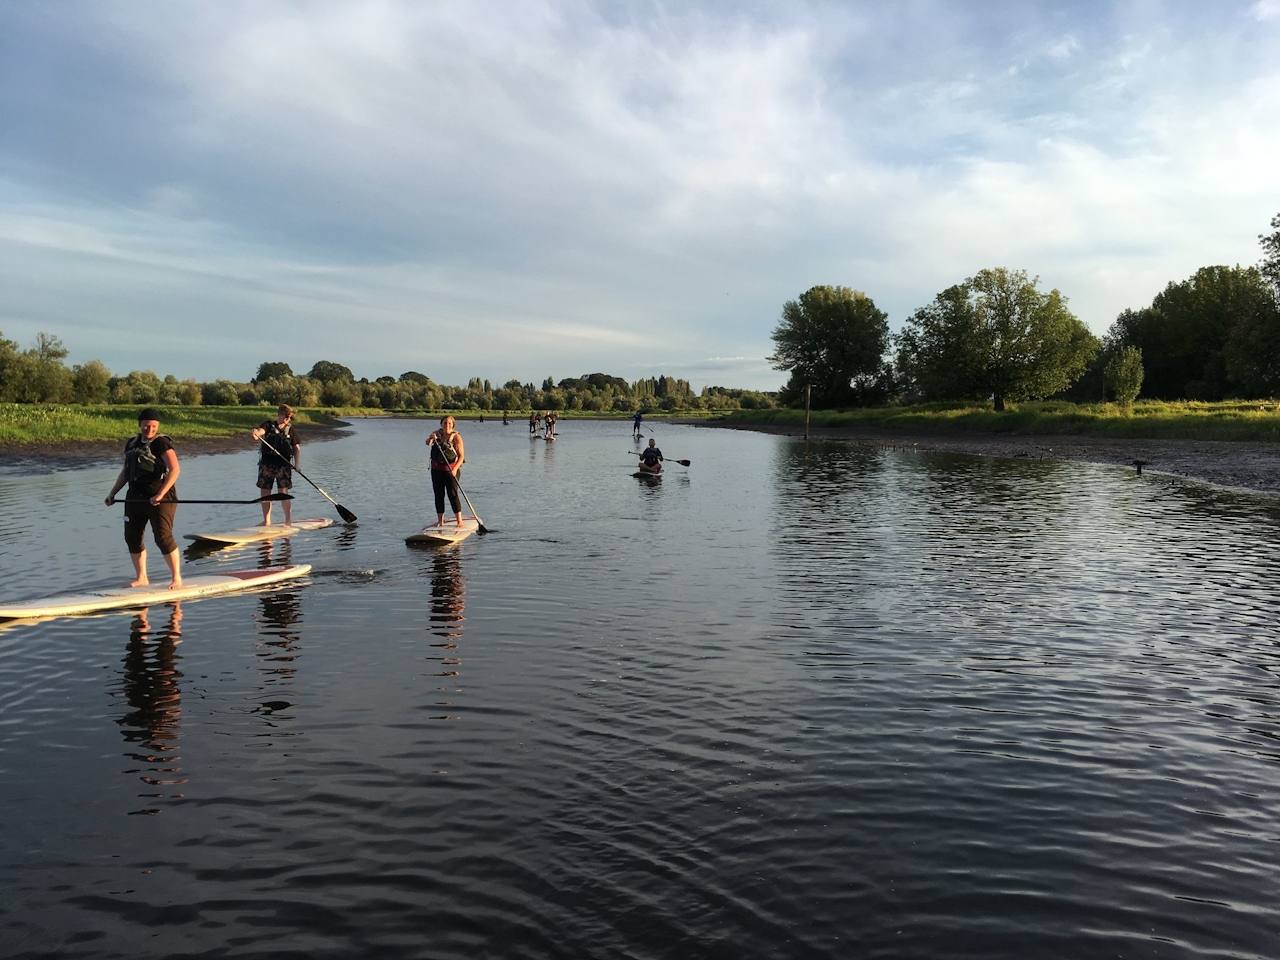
[(145, 467)]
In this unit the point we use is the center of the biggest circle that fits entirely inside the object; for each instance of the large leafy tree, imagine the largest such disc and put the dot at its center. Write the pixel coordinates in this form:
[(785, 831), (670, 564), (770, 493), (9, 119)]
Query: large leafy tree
[(1270, 265), (326, 371), (1206, 338), (828, 338), (995, 335), (272, 369)]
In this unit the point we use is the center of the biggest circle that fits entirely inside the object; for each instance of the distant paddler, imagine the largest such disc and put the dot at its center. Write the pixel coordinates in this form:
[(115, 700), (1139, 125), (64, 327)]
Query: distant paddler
[(650, 458), (151, 470), (636, 421), (447, 456), (279, 453)]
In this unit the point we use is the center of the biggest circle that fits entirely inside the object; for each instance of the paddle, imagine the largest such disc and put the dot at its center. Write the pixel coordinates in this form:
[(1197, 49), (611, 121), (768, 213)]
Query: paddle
[(273, 496), (343, 512), (683, 463), (480, 527)]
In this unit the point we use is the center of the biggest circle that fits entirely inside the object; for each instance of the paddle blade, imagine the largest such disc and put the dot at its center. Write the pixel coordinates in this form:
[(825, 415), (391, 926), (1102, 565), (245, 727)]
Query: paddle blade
[(685, 463), (345, 514)]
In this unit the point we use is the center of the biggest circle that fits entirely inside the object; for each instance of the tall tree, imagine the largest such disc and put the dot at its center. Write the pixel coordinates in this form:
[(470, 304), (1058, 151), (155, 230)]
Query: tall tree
[(828, 337), (1270, 265), (272, 370), (326, 371), (1186, 335), (995, 335)]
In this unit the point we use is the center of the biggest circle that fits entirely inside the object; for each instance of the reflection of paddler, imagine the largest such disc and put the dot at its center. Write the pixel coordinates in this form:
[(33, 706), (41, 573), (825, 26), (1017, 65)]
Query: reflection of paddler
[(448, 596), (151, 471), (651, 458), (150, 686)]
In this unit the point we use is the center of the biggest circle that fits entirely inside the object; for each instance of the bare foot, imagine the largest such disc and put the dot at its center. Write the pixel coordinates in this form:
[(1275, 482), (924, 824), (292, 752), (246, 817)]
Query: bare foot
[(140, 582), (264, 523), (176, 583)]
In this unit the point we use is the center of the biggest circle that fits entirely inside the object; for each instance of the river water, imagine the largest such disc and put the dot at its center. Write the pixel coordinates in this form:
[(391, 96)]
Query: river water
[(792, 701)]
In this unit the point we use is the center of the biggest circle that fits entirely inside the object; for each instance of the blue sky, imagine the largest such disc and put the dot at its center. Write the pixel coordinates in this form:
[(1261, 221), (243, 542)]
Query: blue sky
[(522, 190)]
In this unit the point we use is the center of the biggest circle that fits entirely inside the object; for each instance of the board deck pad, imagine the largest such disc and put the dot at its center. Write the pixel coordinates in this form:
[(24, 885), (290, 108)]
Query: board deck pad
[(448, 533), (201, 585), (259, 532)]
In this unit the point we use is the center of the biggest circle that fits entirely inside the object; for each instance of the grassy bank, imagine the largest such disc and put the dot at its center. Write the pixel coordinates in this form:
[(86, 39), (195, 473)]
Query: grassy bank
[(31, 424), (23, 423), (1154, 420)]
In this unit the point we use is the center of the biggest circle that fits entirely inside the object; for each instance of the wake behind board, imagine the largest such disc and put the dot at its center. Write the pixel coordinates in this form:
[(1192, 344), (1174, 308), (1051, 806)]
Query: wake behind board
[(269, 532), (204, 585), (448, 532)]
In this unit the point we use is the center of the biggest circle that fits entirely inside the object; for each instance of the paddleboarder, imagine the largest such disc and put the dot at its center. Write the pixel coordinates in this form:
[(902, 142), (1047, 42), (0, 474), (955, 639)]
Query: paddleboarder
[(533, 423), (651, 458), (635, 426), (447, 456), (151, 471), (278, 442)]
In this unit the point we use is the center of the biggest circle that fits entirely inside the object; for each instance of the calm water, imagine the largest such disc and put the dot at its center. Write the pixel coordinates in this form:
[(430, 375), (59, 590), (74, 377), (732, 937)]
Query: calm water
[(790, 702)]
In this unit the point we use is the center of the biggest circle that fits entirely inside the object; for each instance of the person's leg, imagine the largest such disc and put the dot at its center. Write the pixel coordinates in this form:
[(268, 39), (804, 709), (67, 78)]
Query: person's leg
[(162, 529), (287, 504), (134, 525), (454, 500), (266, 506), (139, 560), (437, 488)]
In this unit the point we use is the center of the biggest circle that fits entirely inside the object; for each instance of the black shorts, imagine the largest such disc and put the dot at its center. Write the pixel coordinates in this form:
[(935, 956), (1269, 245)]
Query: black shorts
[(280, 474), (138, 515)]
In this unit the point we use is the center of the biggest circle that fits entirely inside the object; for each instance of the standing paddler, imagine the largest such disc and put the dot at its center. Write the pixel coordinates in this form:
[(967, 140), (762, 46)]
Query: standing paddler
[(446, 462), (151, 470), (279, 452)]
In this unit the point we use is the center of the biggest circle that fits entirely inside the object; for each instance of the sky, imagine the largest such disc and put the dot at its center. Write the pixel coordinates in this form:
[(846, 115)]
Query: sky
[(522, 190)]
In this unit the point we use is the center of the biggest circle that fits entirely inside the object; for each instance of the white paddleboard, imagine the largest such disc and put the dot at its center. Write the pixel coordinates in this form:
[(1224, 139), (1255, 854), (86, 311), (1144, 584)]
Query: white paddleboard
[(448, 532), (269, 532), (204, 585)]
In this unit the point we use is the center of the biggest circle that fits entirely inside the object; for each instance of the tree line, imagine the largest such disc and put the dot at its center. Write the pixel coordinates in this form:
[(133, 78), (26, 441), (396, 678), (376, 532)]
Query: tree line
[(39, 375), (998, 337)]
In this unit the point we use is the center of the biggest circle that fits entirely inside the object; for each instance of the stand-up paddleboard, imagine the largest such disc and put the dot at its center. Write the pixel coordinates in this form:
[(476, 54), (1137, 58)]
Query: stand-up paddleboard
[(269, 532), (448, 532), (204, 585)]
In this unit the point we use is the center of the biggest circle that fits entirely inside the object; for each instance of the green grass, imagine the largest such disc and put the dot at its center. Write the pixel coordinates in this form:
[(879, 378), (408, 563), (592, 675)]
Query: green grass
[(1251, 420), (22, 423), (25, 423)]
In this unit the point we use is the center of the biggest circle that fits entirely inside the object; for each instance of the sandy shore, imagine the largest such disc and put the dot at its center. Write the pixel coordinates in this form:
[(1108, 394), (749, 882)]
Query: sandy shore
[(1248, 466)]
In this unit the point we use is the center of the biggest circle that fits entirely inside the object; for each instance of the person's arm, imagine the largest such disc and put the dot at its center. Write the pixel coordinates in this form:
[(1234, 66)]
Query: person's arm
[(297, 450), (121, 480), (457, 445), (171, 461)]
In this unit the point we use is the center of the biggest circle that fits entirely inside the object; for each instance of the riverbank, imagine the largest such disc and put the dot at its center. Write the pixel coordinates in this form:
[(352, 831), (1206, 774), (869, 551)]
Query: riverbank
[(51, 456), (1241, 464)]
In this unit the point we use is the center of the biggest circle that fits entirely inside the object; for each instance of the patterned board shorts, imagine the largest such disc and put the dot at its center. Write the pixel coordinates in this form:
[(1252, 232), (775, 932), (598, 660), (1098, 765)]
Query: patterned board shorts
[(281, 475)]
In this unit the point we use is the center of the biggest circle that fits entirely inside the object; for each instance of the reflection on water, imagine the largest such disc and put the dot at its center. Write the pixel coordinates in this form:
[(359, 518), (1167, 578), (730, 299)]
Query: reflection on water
[(795, 701), (149, 685), (445, 620)]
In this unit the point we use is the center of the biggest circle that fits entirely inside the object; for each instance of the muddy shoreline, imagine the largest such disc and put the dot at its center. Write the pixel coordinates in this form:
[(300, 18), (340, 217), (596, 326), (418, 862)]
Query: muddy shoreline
[(42, 458), (1240, 465)]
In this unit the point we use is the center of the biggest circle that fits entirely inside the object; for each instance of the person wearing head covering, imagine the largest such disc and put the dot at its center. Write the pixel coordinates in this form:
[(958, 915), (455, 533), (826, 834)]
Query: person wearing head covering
[(151, 471)]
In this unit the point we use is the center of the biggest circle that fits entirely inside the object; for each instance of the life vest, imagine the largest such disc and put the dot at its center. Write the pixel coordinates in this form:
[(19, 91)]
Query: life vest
[(442, 451), (144, 466)]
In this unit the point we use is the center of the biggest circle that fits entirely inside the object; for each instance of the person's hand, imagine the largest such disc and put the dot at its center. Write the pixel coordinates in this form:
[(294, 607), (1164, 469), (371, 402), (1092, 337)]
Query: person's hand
[(111, 499), (153, 501)]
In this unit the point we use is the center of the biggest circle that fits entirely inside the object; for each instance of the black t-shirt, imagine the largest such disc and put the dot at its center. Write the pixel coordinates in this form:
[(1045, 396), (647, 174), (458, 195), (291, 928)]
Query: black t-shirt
[(651, 456), (147, 467)]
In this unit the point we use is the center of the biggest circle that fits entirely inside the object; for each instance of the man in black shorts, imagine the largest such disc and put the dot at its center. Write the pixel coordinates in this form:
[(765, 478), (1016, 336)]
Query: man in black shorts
[(278, 453), (151, 470)]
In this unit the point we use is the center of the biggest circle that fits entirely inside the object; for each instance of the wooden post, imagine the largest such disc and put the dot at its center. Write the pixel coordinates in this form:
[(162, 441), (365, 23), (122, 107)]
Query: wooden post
[(808, 396)]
